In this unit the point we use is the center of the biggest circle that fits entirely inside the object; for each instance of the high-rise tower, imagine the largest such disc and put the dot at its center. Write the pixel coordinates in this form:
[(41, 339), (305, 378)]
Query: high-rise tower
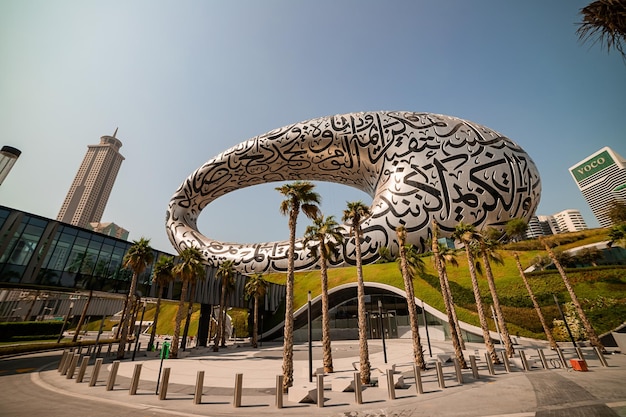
[(89, 193), (8, 156), (601, 178)]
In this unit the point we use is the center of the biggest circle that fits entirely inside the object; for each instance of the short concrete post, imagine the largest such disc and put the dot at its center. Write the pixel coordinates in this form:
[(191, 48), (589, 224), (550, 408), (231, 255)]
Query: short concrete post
[(459, 373), (134, 382), (320, 390), (601, 357), (562, 357), (67, 362), (238, 390), (82, 369), (391, 388), (522, 356), (95, 372), (165, 380), (442, 382), (62, 361), (197, 396), (472, 359), (279, 391), (418, 379), (113, 375), (358, 395), (72, 368), (542, 358), (505, 361), (489, 364)]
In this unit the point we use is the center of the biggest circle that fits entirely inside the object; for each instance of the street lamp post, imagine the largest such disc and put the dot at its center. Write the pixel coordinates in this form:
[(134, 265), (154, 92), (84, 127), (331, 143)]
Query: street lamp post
[(310, 338), (382, 328)]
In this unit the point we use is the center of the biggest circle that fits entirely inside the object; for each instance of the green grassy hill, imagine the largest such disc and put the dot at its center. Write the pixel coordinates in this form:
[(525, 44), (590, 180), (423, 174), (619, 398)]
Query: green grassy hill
[(601, 290)]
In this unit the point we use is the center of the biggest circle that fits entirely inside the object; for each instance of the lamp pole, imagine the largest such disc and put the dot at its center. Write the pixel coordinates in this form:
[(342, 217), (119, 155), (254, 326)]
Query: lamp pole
[(382, 328), (430, 351), (310, 338)]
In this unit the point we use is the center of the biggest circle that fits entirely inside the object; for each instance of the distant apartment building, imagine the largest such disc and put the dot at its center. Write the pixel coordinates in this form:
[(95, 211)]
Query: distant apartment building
[(89, 193), (562, 222), (601, 178), (570, 221), (109, 229)]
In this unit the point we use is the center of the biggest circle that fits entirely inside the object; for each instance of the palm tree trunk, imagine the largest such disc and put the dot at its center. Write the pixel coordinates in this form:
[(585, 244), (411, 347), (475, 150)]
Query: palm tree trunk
[(326, 348), (220, 318), (542, 319), (130, 301), (364, 357), (450, 300), (447, 301), (591, 333), (179, 318), (83, 315), (504, 330), (255, 322), (288, 331), (479, 307), (418, 354), (189, 312), (223, 330)]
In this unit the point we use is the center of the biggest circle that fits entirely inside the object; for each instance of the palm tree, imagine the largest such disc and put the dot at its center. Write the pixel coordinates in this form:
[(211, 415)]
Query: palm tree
[(139, 256), (591, 333), (326, 232), (467, 234), (299, 196), (455, 334), (256, 287), (161, 275), (190, 267), (604, 20), (407, 276), (516, 228), (542, 319), (487, 252), (356, 213), (448, 256), (227, 275)]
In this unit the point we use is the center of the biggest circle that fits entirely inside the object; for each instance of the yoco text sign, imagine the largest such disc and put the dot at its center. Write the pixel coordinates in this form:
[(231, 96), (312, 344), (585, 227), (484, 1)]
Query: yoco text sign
[(592, 165)]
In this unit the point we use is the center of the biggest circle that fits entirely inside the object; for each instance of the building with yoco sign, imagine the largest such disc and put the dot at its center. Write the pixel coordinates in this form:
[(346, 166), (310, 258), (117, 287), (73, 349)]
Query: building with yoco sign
[(601, 178)]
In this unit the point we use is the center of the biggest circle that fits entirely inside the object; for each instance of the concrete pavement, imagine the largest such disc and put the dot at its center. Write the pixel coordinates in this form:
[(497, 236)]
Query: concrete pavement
[(553, 392)]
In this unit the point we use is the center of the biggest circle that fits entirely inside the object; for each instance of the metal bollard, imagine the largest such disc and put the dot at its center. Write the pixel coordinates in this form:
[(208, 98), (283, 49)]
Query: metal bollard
[(472, 359), (601, 357), (95, 372), (562, 357), (82, 369), (418, 379), (522, 356), (358, 395), (542, 357), (134, 382), (391, 387), (238, 390), (442, 382), (113, 375), (579, 352), (459, 373), (165, 380), (489, 364), (279, 391), (72, 368), (320, 390), (197, 396), (505, 361)]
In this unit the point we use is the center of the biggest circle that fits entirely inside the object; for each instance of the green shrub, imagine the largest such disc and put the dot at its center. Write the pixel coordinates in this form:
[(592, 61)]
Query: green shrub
[(9, 331)]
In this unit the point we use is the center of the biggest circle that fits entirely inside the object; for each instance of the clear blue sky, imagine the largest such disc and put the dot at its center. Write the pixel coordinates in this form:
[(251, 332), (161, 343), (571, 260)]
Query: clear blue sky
[(186, 80)]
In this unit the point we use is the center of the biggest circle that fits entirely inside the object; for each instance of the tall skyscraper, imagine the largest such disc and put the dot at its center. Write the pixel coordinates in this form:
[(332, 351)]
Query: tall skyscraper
[(89, 193), (8, 156), (601, 178)]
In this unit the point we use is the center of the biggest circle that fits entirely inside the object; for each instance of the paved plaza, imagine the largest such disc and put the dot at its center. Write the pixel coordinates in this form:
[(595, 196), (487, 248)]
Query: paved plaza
[(556, 391)]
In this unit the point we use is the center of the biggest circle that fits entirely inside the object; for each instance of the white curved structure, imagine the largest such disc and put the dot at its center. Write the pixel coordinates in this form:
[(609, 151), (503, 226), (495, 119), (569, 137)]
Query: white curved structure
[(416, 166)]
